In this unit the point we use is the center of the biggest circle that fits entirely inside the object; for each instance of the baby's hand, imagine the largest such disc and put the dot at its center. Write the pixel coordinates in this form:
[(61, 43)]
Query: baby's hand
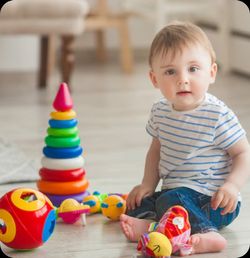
[(136, 195), (226, 197)]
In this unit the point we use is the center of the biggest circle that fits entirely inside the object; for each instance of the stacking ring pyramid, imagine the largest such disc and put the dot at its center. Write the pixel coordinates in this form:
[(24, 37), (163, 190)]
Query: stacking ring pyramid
[(62, 173)]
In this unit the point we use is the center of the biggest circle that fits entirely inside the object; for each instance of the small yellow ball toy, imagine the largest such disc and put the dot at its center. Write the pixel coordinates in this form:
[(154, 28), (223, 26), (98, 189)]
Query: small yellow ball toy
[(113, 206), (71, 211), (94, 201)]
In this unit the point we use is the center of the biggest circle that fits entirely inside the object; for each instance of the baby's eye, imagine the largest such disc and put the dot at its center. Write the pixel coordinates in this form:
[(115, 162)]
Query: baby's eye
[(169, 71), (193, 69)]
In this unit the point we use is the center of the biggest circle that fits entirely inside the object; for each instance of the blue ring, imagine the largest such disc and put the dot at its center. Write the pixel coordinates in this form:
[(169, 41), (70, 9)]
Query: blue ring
[(62, 153), (62, 123)]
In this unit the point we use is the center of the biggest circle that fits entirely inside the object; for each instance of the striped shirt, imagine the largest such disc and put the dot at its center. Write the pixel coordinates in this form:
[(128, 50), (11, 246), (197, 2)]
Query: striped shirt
[(194, 143)]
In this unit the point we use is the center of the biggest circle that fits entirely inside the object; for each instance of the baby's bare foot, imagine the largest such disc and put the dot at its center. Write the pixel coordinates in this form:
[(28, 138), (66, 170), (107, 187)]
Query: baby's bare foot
[(207, 242), (133, 228)]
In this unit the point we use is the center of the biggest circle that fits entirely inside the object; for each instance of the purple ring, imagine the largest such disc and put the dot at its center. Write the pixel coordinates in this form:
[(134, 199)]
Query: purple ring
[(58, 199)]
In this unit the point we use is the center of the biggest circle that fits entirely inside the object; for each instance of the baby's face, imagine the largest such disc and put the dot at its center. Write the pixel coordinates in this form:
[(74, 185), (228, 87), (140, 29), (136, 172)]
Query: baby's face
[(185, 78)]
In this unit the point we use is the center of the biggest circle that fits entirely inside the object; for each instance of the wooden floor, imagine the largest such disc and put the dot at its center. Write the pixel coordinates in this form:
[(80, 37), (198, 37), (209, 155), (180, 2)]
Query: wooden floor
[(112, 110)]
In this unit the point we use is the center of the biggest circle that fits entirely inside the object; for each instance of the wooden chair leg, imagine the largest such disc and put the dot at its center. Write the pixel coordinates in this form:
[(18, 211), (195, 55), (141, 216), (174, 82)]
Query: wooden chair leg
[(43, 69), (125, 47), (101, 51), (67, 58), (47, 59)]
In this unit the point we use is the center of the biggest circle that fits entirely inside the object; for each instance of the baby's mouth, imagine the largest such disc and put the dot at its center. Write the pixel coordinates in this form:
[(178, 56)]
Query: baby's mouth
[(183, 93)]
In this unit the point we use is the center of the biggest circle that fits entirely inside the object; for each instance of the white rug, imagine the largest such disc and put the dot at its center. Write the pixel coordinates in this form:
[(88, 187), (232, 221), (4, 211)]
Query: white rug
[(15, 166)]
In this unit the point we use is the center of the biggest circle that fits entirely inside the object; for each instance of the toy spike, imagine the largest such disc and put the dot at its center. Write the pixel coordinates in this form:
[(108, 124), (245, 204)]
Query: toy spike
[(63, 101)]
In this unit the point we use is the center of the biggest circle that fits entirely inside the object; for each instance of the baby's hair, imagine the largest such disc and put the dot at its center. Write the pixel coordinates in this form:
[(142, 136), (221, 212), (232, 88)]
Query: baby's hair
[(177, 35)]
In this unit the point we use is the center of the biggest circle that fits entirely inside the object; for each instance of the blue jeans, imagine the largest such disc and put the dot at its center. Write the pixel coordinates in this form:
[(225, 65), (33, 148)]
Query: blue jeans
[(201, 216)]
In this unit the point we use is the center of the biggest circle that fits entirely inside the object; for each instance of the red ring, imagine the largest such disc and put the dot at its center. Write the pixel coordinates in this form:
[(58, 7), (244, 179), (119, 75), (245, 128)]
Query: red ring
[(62, 175)]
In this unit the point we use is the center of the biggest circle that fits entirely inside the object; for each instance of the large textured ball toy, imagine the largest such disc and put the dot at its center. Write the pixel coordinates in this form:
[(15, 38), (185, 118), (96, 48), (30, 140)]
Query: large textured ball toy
[(113, 206), (27, 219)]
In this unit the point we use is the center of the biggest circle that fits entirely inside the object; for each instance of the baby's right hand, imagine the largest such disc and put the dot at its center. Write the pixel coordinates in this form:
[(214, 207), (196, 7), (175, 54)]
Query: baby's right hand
[(136, 195)]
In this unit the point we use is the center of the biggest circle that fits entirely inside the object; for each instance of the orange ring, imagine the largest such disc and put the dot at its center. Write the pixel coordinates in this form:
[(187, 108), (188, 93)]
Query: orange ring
[(63, 188)]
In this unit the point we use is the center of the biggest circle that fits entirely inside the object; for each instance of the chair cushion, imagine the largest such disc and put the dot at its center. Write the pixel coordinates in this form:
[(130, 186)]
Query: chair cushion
[(42, 26), (44, 9), (61, 17)]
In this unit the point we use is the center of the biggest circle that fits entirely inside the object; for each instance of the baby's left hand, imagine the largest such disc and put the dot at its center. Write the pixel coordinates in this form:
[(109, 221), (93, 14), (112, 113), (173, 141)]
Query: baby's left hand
[(226, 197)]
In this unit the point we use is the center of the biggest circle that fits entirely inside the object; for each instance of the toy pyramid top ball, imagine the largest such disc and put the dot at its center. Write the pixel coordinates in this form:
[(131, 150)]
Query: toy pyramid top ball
[(63, 101)]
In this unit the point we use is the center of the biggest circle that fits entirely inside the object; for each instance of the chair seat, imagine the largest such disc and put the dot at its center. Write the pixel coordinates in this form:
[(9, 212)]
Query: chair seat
[(42, 26), (43, 17), (49, 9)]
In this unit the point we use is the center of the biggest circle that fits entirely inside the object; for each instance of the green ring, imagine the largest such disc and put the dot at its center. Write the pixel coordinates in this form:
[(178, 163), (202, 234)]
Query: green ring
[(63, 132), (62, 142)]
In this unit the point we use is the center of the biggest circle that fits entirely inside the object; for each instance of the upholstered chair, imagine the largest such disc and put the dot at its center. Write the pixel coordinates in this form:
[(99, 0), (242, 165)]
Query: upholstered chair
[(47, 18)]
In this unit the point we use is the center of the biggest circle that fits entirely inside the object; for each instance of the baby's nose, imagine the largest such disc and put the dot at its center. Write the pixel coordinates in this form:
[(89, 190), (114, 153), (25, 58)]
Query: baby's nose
[(183, 80), (183, 84)]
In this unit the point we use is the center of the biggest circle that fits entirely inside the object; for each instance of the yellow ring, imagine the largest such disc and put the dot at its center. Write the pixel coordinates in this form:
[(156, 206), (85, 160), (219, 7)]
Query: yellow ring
[(19, 202), (62, 188), (10, 224), (67, 115)]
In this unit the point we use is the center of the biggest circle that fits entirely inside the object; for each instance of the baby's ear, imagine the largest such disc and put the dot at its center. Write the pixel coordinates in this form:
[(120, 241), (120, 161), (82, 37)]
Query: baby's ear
[(213, 72), (153, 78)]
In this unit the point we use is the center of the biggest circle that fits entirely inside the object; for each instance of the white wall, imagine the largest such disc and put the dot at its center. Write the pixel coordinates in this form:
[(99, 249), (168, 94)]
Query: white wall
[(240, 17), (19, 53)]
